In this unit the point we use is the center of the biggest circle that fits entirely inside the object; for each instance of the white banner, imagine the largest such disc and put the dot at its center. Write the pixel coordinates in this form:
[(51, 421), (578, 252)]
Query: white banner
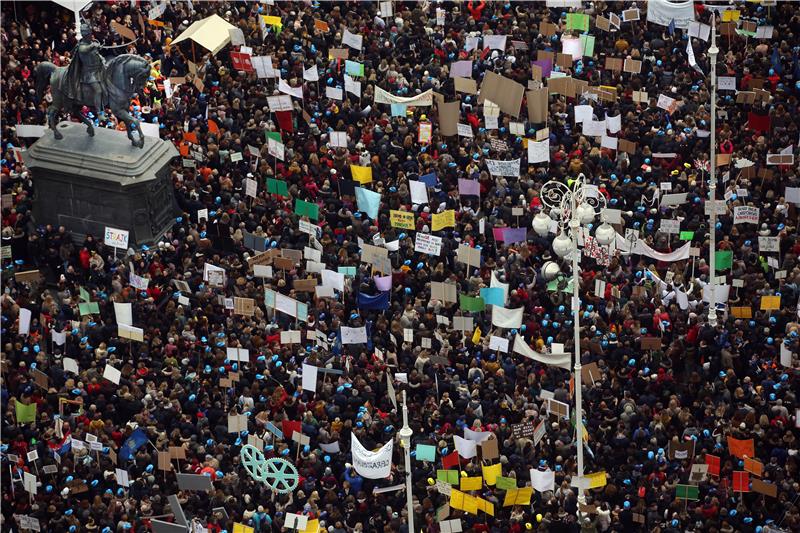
[(371, 465), (639, 247), (506, 318), (663, 12), (521, 347), (503, 168), (421, 100)]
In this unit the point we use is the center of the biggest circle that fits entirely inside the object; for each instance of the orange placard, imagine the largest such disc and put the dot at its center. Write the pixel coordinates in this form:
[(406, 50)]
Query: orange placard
[(742, 312), (741, 448), (155, 22), (212, 127), (321, 25), (190, 137), (753, 466), (183, 149)]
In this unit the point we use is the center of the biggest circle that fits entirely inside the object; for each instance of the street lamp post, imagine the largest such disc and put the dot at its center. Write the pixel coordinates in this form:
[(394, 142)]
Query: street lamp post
[(573, 206), (712, 187), (405, 438)]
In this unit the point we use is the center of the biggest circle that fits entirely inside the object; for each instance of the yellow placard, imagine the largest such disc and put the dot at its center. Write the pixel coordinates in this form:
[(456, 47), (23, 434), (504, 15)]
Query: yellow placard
[(597, 480), (401, 219), (361, 174), (731, 15), (241, 528), (491, 472), (471, 483), (769, 303), (470, 504), (486, 506), (312, 526), (476, 337), (443, 220), (518, 497), (270, 20), (457, 499)]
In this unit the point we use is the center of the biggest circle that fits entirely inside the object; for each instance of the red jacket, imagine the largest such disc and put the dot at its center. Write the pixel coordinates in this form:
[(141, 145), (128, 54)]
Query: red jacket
[(476, 11)]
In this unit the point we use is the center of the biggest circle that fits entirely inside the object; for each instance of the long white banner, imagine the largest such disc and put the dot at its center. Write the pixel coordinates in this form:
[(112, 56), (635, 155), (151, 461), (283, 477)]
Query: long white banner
[(371, 465), (639, 247), (421, 100)]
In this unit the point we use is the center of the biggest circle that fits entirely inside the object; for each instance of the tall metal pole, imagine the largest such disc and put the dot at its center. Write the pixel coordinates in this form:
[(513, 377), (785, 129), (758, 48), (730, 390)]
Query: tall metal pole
[(574, 225), (712, 188), (405, 438)]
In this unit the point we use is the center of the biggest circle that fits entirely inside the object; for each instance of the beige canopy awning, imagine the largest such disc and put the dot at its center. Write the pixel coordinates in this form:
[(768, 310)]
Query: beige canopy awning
[(211, 33)]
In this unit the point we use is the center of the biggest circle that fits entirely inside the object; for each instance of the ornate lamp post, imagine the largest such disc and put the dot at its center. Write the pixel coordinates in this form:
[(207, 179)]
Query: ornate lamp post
[(572, 207), (712, 187)]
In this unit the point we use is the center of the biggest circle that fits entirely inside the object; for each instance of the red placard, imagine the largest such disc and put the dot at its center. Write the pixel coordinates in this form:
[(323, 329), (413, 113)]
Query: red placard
[(241, 62), (713, 464), (741, 481)]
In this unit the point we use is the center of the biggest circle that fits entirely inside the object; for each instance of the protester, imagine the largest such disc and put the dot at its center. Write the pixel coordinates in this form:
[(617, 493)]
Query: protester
[(663, 390)]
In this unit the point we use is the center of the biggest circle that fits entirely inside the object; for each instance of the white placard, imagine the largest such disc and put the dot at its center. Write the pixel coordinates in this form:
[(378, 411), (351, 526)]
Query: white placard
[(428, 244), (112, 374), (117, 238)]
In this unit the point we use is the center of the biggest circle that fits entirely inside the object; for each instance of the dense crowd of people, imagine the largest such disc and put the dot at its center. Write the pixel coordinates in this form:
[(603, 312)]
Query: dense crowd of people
[(667, 390)]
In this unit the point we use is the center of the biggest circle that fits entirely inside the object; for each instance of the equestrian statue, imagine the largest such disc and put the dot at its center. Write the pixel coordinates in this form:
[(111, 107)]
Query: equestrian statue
[(91, 81)]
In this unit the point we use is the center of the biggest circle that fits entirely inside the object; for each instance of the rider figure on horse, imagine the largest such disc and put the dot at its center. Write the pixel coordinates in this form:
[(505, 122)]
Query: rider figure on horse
[(85, 72)]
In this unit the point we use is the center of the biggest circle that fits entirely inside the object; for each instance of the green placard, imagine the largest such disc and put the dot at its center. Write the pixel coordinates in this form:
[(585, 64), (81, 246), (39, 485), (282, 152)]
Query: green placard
[(278, 187), (274, 135), (687, 492), (724, 259), (506, 483), (686, 235), (448, 476), (577, 21), (471, 303), (89, 308), (306, 209), (27, 413), (84, 294), (588, 45)]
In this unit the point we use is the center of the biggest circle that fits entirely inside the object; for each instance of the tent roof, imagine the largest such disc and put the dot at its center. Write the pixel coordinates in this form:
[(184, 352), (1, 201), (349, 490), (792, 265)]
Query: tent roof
[(211, 33)]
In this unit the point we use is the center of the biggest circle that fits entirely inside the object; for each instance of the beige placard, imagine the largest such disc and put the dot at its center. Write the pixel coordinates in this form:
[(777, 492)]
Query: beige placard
[(164, 461), (339, 53), (633, 66), (283, 263), (548, 29), (624, 145), (466, 85), (244, 306), (614, 63), (304, 285), (651, 343), (448, 118), (504, 92), (28, 276), (537, 105), (124, 31), (177, 452), (564, 60)]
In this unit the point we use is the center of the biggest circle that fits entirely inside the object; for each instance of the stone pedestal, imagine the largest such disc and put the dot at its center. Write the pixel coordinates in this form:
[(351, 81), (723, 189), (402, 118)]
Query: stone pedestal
[(87, 183)]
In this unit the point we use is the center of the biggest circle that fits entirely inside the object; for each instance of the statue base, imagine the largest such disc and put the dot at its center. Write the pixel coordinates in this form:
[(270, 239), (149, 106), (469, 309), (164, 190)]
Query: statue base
[(89, 183)]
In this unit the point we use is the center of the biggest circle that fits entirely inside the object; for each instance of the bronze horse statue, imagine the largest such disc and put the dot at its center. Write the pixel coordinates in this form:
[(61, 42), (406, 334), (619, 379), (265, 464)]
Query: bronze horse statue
[(124, 75)]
